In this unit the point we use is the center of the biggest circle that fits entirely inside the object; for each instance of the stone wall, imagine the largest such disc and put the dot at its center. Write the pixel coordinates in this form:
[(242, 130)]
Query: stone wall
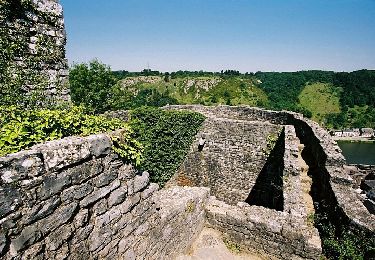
[(264, 230), (332, 184), (268, 188), (34, 35), (233, 154), (75, 199), (320, 152), (239, 113), (289, 234)]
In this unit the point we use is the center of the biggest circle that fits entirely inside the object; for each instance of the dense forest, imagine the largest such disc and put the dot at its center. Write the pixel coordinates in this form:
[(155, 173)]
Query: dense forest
[(356, 93), (335, 99)]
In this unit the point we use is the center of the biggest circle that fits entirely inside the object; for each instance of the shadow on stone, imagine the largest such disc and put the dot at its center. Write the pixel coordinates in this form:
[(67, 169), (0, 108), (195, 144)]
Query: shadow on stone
[(268, 188)]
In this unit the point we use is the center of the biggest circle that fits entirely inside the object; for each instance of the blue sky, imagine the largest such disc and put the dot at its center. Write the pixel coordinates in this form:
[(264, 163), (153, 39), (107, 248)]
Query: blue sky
[(211, 35)]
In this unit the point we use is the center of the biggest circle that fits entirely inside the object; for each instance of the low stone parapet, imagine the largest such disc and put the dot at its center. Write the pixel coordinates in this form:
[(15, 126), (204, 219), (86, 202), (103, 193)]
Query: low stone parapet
[(74, 198), (260, 229)]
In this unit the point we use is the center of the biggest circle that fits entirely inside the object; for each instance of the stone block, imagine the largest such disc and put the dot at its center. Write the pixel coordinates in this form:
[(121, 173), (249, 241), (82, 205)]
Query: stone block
[(100, 207), (98, 239), (117, 196), (99, 193), (82, 234), (105, 178), (85, 171), (63, 253), (126, 172), (52, 184), (28, 237), (59, 217), (77, 192), (80, 251), (57, 238), (10, 200), (112, 214), (125, 243), (22, 165), (81, 218), (42, 210), (99, 144), (109, 251), (151, 189), (141, 181), (34, 252), (61, 153), (129, 255), (130, 202), (3, 242)]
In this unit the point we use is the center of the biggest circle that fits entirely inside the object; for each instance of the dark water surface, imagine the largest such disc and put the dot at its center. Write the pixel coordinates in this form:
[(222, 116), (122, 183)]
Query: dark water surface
[(358, 153)]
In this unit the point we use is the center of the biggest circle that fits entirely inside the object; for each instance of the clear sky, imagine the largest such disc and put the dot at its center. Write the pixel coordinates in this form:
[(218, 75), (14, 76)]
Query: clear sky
[(211, 35)]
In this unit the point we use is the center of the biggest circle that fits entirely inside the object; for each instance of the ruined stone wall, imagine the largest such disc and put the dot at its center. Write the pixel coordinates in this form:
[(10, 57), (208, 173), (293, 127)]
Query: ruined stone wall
[(75, 199), (231, 158), (289, 234), (264, 230), (292, 188), (332, 183), (33, 33), (239, 113)]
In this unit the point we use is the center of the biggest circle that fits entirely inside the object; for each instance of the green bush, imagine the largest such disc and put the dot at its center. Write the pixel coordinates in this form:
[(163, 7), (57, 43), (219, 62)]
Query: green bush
[(91, 85), (21, 129), (166, 137), (340, 241)]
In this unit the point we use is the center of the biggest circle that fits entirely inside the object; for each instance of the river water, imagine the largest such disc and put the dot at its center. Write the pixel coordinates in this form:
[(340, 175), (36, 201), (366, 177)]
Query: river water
[(358, 153)]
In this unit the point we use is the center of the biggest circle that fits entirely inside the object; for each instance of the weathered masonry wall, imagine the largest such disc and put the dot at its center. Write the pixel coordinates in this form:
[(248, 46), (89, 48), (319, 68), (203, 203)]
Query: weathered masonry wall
[(268, 188), (231, 158), (325, 155), (285, 235), (331, 181), (75, 199), (33, 33), (260, 229), (332, 186)]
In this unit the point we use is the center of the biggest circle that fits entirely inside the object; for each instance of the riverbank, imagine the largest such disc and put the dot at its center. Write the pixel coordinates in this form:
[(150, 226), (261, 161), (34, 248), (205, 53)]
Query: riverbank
[(354, 139)]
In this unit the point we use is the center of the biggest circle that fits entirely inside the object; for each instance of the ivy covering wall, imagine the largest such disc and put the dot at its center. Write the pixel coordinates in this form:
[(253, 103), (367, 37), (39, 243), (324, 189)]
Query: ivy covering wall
[(33, 68), (166, 137)]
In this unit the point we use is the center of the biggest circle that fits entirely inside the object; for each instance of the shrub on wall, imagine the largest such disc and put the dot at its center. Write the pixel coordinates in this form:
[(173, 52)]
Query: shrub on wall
[(21, 129), (166, 137)]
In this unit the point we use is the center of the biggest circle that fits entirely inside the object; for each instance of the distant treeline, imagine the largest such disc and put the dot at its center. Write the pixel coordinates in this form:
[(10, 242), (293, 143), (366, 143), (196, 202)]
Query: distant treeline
[(98, 88), (121, 74)]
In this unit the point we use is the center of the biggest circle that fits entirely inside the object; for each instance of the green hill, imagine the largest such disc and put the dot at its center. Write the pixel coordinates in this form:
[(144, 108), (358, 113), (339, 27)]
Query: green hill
[(321, 99), (207, 90), (334, 99)]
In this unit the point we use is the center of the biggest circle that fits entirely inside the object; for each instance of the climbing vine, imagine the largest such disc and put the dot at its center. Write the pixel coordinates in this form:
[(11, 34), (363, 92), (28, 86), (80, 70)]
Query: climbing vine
[(27, 53), (166, 137)]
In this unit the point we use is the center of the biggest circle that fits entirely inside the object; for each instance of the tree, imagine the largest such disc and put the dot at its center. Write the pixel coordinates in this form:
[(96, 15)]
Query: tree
[(91, 85), (166, 77)]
